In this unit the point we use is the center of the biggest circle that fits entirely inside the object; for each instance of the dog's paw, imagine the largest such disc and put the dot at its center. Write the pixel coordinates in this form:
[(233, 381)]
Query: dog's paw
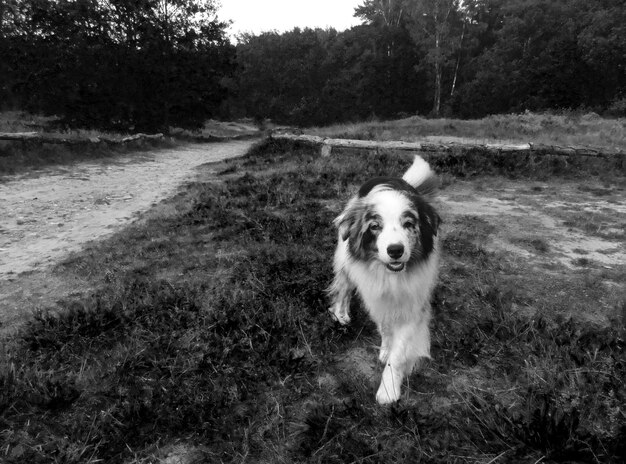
[(390, 384), (340, 316), (387, 394)]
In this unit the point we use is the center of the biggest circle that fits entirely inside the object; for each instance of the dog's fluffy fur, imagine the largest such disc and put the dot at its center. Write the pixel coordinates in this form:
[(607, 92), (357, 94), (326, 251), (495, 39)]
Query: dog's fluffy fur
[(388, 251)]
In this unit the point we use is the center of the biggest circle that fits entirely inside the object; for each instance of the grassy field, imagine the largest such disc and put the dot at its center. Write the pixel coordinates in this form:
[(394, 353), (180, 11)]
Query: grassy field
[(208, 337), (568, 129)]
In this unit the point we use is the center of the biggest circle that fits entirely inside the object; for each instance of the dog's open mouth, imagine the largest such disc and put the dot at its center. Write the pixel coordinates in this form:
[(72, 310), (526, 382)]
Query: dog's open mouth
[(395, 267)]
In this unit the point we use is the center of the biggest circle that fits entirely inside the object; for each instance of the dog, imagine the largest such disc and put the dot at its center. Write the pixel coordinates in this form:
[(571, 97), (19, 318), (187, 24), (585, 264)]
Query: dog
[(388, 250)]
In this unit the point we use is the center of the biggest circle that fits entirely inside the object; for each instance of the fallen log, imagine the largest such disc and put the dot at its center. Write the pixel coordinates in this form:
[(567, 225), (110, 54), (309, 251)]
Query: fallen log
[(38, 137), (208, 138), (327, 144)]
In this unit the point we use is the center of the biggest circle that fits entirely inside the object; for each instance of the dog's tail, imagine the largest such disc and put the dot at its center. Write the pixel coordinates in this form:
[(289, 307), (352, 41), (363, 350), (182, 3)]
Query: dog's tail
[(421, 177)]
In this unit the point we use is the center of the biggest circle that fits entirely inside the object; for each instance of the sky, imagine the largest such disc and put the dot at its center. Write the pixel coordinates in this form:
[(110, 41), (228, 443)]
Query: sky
[(257, 16)]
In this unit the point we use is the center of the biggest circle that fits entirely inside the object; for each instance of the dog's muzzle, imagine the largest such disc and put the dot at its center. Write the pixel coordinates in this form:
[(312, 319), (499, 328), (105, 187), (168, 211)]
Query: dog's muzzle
[(395, 251), (396, 267)]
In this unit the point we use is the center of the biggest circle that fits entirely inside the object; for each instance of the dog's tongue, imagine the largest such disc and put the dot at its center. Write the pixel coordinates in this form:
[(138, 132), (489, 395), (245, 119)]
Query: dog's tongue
[(395, 267)]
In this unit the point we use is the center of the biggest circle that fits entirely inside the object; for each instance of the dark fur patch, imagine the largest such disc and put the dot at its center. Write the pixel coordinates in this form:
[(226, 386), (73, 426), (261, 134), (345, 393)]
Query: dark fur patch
[(395, 183), (362, 240), (428, 223)]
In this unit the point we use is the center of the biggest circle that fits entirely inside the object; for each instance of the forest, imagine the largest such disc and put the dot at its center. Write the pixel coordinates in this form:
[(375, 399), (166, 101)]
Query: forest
[(149, 65)]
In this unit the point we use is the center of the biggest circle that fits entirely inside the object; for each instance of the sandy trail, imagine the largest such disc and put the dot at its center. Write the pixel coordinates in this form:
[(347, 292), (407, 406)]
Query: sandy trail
[(44, 218), (47, 217)]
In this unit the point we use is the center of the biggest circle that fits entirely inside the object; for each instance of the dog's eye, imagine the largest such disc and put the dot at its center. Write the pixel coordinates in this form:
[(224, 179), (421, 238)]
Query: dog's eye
[(375, 226), (409, 225)]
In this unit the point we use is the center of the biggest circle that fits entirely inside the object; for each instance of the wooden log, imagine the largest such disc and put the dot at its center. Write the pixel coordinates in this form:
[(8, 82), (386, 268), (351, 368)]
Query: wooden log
[(17, 135), (45, 138), (217, 138), (131, 138), (314, 139), (327, 144)]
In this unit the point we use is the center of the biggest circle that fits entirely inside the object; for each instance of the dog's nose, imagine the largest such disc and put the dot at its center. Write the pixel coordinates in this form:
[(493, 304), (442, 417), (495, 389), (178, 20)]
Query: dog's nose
[(396, 250)]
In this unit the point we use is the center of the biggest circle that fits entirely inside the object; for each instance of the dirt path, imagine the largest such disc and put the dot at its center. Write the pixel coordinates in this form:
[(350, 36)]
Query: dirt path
[(563, 219), (44, 218)]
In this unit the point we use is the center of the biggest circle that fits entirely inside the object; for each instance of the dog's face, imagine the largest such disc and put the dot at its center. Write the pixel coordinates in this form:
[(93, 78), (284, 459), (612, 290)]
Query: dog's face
[(389, 223)]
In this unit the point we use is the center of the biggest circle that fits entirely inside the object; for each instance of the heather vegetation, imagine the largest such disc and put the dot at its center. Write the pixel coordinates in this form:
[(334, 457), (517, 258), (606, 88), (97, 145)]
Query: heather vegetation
[(207, 336)]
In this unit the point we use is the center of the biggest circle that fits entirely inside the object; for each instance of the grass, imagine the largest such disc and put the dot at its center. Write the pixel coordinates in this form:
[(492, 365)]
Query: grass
[(19, 121), (209, 329), (594, 223), (19, 157), (215, 128), (552, 129)]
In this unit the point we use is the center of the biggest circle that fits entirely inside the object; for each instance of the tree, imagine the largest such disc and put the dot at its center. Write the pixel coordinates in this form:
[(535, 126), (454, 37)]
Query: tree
[(280, 74), (307, 77), (9, 20), (602, 43), (382, 12), (468, 58), (531, 56), (142, 64), (432, 27)]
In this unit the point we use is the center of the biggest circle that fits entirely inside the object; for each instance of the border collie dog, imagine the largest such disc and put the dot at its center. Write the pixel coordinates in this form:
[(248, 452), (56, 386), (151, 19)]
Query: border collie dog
[(388, 251)]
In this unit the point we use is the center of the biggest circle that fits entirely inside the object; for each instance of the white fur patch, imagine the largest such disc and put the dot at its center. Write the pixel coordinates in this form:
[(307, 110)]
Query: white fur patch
[(390, 205), (418, 173)]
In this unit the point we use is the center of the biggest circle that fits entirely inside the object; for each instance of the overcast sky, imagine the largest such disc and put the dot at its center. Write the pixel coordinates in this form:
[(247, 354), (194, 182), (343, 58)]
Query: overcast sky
[(282, 15)]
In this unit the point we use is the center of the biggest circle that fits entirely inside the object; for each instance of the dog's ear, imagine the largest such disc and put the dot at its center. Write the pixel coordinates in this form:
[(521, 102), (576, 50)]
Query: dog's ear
[(429, 225), (347, 219), (432, 220), (429, 219), (344, 223)]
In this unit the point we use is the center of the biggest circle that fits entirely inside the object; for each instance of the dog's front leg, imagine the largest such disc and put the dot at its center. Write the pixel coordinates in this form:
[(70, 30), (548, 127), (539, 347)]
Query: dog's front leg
[(408, 344), (393, 350), (341, 293), (385, 345)]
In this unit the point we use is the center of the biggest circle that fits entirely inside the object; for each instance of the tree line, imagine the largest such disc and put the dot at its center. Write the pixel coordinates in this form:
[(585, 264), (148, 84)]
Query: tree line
[(142, 65), (152, 64)]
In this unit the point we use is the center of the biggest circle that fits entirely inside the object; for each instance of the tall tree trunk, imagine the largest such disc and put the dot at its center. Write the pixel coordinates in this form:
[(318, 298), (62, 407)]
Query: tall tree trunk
[(437, 97), (167, 56), (458, 60), (438, 65)]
